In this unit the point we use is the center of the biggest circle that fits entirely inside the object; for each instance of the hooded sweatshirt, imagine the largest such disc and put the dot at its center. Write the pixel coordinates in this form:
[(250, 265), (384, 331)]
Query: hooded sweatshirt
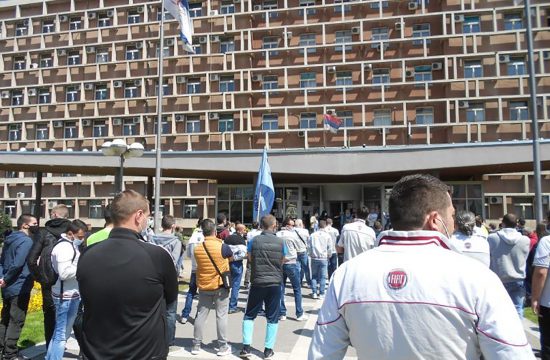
[(13, 267), (509, 251), (170, 243)]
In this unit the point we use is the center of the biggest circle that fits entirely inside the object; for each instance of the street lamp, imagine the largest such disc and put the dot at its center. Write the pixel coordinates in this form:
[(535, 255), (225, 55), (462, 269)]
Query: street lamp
[(118, 147)]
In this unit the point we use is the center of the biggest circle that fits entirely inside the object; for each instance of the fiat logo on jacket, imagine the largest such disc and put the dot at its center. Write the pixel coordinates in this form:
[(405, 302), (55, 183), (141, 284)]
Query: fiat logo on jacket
[(397, 279)]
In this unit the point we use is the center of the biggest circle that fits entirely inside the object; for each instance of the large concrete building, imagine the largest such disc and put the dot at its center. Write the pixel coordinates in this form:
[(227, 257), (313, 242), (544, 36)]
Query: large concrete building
[(402, 75)]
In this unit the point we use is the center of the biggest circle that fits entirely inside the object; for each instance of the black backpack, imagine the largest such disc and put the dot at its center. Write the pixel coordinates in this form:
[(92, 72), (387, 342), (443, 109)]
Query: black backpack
[(47, 275)]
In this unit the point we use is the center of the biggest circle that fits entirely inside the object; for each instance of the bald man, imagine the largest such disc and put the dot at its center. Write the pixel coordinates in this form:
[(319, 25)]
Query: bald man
[(238, 246)]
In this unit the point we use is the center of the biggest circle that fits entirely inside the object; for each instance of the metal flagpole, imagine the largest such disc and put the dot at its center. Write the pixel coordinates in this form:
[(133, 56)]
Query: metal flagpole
[(259, 203), (534, 115), (158, 138)]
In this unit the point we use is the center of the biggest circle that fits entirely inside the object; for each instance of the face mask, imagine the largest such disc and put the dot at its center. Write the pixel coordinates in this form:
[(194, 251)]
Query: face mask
[(78, 242), (444, 227), (34, 229)]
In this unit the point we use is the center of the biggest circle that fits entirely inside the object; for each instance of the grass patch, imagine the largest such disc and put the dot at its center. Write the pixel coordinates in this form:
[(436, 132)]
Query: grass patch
[(528, 313), (33, 331)]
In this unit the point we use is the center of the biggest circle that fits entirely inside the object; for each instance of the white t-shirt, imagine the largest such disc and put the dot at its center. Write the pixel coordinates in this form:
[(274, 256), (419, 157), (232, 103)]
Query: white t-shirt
[(65, 266), (356, 238), (474, 246), (542, 259)]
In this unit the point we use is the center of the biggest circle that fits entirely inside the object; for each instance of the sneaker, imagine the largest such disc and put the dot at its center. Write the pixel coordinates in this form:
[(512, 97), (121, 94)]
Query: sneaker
[(224, 350), (181, 319), (268, 353), (321, 297), (245, 352), (196, 349), (233, 311), (314, 296), (302, 318)]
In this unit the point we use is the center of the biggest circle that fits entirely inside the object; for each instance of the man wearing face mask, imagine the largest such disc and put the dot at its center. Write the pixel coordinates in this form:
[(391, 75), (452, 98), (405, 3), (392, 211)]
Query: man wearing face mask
[(125, 285), (412, 297), (16, 282)]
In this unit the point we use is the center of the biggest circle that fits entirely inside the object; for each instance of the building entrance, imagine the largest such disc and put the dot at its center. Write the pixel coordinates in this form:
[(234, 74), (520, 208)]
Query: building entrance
[(337, 212)]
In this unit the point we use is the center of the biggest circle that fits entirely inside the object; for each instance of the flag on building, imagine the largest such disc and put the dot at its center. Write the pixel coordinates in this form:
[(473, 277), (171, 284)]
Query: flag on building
[(179, 9), (265, 192), (332, 123)]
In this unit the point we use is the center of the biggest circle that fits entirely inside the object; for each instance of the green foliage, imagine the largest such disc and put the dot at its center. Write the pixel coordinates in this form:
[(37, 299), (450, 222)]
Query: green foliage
[(5, 224), (33, 331)]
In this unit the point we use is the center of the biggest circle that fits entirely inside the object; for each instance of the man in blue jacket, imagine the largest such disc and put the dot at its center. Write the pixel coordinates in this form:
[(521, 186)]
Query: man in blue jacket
[(16, 282)]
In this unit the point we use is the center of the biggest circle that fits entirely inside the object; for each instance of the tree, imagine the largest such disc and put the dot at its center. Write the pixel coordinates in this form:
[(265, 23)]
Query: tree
[(5, 225)]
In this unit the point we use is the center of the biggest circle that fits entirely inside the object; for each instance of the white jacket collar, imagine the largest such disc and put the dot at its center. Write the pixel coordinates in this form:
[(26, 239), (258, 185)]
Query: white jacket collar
[(415, 237)]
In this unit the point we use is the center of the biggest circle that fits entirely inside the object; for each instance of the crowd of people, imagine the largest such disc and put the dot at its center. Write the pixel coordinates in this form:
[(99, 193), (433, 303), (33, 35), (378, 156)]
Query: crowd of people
[(436, 284)]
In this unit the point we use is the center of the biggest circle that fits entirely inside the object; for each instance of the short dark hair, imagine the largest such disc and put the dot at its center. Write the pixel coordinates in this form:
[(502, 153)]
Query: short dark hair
[(287, 221), (208, 227), (167, 222), (362, 214), (77, 225), (221, 218), (322, 224), (107, 215), (125, 204), (23, 219), (415, 196), (521, 221), (509, 220), (268, 221)]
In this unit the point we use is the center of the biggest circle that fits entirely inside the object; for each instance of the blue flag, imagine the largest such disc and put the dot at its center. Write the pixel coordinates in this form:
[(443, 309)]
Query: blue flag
[(265, 192), (180, 10)]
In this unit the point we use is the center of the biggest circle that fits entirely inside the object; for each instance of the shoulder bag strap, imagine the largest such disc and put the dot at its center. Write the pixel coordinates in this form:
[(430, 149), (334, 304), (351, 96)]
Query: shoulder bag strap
[(297, 233), (212, 260)]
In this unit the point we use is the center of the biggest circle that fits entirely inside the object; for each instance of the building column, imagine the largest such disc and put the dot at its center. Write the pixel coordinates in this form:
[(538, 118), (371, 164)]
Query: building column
[(38, 197)]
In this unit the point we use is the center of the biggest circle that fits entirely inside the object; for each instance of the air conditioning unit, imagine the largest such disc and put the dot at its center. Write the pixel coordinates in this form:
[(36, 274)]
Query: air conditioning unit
[(117, 121), (117, 83), (412, 5), (463, 104), (90, 49), (301, 133), (31, 92), (181, 80), (61, 52), (213, 12), (5, 94), (26, 22), (180, 118), (203, 39), (256, 78), (398, 26), (34, 65), (213, 116), (92, 15), (63, 18), (437, 66), (215, 38), (135, 120), (356, 30), (170, 42), (409, 73), (88, 86), (86, 122), (331, 111), (289, 34), (58, 124), (137, 82), (20, 194), (214, 77), (236, 1), (367, 67), (110, 13), (495, 200), (139, 45), (331, 69), (381, 47), (76, 87), (504, 58), (459, 18), (140, 9), (257, 7), (546, 55)]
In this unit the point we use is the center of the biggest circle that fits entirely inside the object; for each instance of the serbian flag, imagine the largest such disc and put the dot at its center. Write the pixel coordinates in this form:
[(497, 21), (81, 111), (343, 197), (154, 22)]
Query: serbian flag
[(180, 10), (332, 123)]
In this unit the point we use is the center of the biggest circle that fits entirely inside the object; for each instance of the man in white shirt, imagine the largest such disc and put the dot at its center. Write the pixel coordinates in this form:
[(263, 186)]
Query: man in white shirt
[(540, 293), (320, 245), (333, 260), (356, 237), (303, 259), (406, 299)]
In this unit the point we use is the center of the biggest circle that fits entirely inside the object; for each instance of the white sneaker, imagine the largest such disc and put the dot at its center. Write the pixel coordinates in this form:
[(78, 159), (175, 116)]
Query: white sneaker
[(282, 318), (224, 350), (314, 296), (72, 344), (302, 318)]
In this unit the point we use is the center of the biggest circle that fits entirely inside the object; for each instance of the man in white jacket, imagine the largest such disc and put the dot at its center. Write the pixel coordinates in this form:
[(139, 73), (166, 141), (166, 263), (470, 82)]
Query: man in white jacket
[(412, 297)]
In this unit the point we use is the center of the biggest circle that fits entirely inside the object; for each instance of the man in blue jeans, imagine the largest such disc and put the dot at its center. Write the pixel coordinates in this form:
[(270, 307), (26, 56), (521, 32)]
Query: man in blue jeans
[(196, 238), (320, 252), (303, 235), (237, 243)]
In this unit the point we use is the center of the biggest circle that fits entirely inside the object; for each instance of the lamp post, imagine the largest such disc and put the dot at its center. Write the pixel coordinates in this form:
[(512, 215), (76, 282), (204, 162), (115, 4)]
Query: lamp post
[(118, 147)]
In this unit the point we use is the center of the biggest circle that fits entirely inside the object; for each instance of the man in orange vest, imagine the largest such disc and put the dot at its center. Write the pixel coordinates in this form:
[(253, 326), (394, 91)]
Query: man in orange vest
[(211, 257)]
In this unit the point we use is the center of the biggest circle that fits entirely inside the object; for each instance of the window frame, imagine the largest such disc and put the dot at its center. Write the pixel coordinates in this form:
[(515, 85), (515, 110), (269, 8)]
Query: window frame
[(270, 121), (307, 119)]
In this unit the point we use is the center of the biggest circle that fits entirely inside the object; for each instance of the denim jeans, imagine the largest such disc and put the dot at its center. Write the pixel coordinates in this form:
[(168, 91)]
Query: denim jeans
[(191, 292), (65, 314), (171, 310), (236, 268), (332, 264), (516, 290), (292, 272), (304, 268), (318, 275)]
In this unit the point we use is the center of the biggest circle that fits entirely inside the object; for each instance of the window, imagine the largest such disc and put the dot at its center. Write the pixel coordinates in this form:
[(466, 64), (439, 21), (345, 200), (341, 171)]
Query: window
[(193, 124), (133, 17), (513, 21), (129, 126), (132, 53), (197, 49), (48, 26), (424, 115), (104, 21), (422, 73), (165, 51), (307, 3), (17, 97), (516, 66), (421, 32), (382, 117), (12, 174), (270, 122), (72, 94), (95, 208), (195, 9), (341, 7), (44, 96), (270, 5), (227, 8), (227, 83), (343, 78), (19, 63), (343, 37), (69, 130), (165, 126), (225, 123), (227, 45), (167, 15), (42, 132), (46, 61), (21, 29), (75, 23), (519, 110), (74, 58), (307, 80), (100, 128), (101, 92), (190, 209), (379, 34), (193, 85), (102, 56), (346, 117), (14, 132), (10, 209), (271, 42), (166, 88), (376, 5), (381, 76), (308, 40), (475, 112), (270, 82), (471, 25), (130, 90), (473, 69), (308, 120)]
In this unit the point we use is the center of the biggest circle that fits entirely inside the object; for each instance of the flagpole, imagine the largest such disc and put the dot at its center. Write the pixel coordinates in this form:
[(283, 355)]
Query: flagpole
[(259, 204), (158, 138)]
